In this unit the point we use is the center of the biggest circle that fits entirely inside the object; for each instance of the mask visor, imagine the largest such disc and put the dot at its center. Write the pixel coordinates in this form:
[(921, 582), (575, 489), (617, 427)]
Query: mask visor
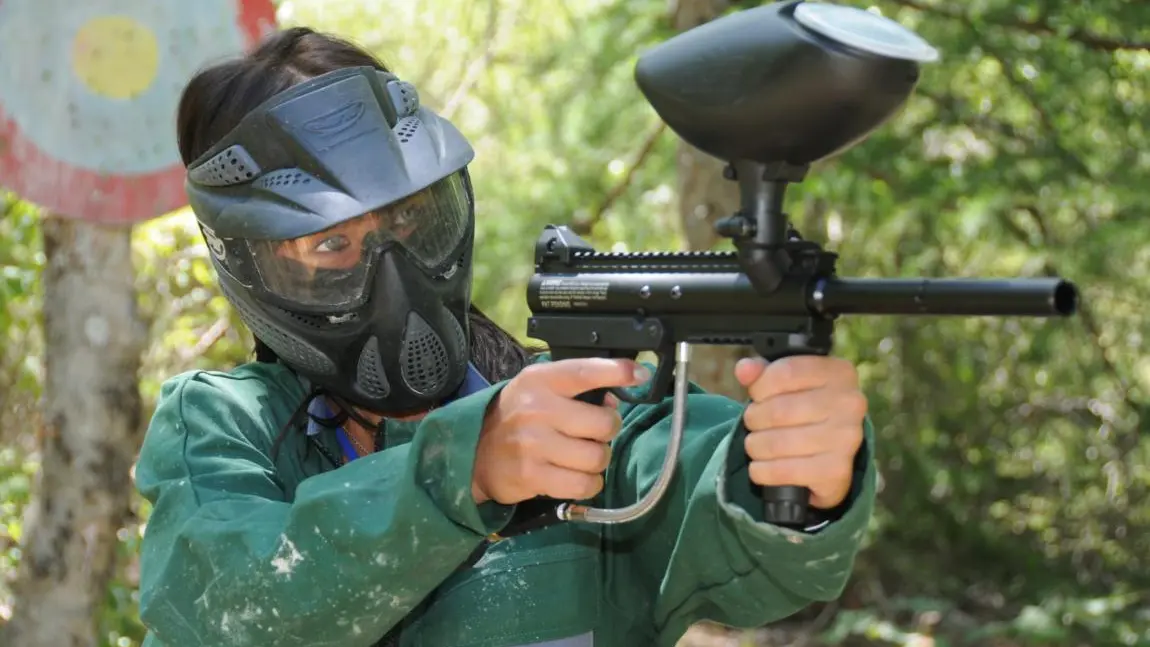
[(332, 267)]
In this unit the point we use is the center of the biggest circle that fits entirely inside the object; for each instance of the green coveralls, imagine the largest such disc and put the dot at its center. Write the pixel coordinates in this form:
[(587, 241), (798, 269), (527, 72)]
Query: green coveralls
[(241, 549)]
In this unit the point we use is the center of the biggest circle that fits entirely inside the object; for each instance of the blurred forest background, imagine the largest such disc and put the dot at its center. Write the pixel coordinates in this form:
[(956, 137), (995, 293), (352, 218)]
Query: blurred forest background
[(1014, 507)]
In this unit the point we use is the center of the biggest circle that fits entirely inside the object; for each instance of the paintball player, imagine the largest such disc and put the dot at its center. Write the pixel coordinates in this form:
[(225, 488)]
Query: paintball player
[(357, 484)]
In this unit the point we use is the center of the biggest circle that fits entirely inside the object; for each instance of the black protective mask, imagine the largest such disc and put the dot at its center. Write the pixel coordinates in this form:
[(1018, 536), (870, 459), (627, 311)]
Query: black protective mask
[(341, 224), (403, 350)]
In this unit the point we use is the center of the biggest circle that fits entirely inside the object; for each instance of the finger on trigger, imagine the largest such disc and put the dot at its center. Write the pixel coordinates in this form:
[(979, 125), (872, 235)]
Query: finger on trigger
[(572, 377)]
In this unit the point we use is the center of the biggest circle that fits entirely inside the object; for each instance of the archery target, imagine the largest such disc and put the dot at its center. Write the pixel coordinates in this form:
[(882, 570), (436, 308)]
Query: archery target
[(89, 91)]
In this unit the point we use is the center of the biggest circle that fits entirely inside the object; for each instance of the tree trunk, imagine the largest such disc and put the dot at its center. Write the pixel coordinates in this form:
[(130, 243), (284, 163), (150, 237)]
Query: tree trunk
[(704, 197), (92, 422), (686, 14)]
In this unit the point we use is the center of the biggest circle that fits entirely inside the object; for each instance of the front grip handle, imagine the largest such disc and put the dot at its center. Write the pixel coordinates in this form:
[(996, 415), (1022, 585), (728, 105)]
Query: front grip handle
[(786, 505)]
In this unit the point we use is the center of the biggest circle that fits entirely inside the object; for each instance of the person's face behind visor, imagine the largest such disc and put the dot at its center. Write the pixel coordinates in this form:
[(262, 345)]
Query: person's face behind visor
[(345, 245), (331, 267)]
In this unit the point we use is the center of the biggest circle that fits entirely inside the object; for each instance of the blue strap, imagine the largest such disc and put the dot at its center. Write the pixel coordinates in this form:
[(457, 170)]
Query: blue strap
[(320, 409), (345, 443)]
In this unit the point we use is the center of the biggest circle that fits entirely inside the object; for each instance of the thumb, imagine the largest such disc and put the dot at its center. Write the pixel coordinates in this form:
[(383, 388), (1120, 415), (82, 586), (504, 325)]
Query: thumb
[(748, 369)]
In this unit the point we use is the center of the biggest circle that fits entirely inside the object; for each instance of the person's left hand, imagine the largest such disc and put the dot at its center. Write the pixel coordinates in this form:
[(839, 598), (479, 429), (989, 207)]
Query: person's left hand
[(804, 423)]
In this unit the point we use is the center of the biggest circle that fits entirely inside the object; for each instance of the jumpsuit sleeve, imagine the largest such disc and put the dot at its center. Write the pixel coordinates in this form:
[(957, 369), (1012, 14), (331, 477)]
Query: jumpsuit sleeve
[(227, 559), (705, 553)]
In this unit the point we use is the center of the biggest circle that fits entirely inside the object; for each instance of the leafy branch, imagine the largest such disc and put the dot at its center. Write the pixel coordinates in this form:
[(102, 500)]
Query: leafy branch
[(1085, 313), (1046, 239), (479, 64), (585, 225), (1040, 26)]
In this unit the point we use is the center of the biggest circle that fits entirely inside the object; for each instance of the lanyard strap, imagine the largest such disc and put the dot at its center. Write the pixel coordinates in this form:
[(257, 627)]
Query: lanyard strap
[(345, 443)]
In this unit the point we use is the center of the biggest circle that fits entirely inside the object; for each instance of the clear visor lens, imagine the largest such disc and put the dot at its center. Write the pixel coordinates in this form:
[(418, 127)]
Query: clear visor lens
[(332, 267)]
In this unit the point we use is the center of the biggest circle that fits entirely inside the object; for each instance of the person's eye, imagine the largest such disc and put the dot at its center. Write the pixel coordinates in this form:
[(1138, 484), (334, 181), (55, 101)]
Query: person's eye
[(406, 218), (333, 244), (398, 218)]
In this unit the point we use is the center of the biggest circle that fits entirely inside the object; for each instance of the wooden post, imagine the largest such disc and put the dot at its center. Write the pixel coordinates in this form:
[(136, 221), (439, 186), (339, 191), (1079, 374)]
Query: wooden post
[(92, 425)]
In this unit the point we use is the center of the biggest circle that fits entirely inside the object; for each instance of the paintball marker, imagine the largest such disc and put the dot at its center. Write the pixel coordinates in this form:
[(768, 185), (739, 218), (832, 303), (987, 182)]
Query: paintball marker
[(768, 90)]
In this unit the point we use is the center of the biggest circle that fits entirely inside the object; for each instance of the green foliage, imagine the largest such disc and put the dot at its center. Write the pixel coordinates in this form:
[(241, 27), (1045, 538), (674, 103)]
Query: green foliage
[(1014, 505), (21, 259)]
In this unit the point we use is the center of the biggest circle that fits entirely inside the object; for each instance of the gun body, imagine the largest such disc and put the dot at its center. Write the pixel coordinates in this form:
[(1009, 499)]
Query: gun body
[(587, 303), (770, 91), (590, 304)]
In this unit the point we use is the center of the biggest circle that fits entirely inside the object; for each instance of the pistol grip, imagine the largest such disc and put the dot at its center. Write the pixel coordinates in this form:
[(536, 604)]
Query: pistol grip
[(541, 512)]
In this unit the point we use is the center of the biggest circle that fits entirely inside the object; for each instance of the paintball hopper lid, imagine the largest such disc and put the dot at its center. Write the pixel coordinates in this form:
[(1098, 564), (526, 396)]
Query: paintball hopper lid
[(865, 31), (789, 82)]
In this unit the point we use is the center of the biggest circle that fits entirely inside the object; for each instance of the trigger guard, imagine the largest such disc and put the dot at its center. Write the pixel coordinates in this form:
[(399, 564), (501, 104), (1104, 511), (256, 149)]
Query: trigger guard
[(657, 388), (624, 396)]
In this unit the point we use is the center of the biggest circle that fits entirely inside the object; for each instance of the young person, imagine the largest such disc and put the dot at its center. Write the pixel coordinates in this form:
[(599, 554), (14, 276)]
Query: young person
[(349, 487)]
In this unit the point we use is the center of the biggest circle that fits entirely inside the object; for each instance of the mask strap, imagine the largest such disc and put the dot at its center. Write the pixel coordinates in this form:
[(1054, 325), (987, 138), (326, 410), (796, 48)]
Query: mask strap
[(348, 411)]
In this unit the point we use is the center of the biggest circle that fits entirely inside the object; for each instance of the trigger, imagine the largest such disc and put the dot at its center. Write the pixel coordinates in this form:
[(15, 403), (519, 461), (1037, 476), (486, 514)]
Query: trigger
[(658, 388)]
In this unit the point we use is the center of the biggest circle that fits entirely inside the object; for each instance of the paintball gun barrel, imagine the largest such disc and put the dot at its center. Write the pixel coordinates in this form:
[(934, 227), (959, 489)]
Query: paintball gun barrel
[(768, 90)]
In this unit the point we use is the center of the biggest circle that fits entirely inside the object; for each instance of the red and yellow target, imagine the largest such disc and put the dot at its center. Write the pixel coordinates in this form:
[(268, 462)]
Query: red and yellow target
[(88, 96)]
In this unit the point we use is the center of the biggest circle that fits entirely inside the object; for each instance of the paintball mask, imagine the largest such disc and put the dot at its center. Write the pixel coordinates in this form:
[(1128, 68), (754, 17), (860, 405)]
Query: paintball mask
[(339, 216)]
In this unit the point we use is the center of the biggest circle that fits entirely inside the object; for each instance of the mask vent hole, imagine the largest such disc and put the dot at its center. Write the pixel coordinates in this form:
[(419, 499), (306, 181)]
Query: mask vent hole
[(369, 371), (423, 360), (233, 165), (311, 321), (283, 178), (406, 128)]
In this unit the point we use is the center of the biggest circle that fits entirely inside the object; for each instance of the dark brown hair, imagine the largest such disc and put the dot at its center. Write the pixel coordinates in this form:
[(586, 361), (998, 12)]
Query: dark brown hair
[(217, 98)]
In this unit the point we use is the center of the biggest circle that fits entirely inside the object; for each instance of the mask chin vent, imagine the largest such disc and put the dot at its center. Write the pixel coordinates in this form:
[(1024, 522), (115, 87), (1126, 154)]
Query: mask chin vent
[(423, 360), (369, 371)]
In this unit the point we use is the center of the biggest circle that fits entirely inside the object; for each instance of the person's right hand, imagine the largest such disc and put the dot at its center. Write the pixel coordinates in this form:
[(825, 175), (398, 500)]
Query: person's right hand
[(538, 440)]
